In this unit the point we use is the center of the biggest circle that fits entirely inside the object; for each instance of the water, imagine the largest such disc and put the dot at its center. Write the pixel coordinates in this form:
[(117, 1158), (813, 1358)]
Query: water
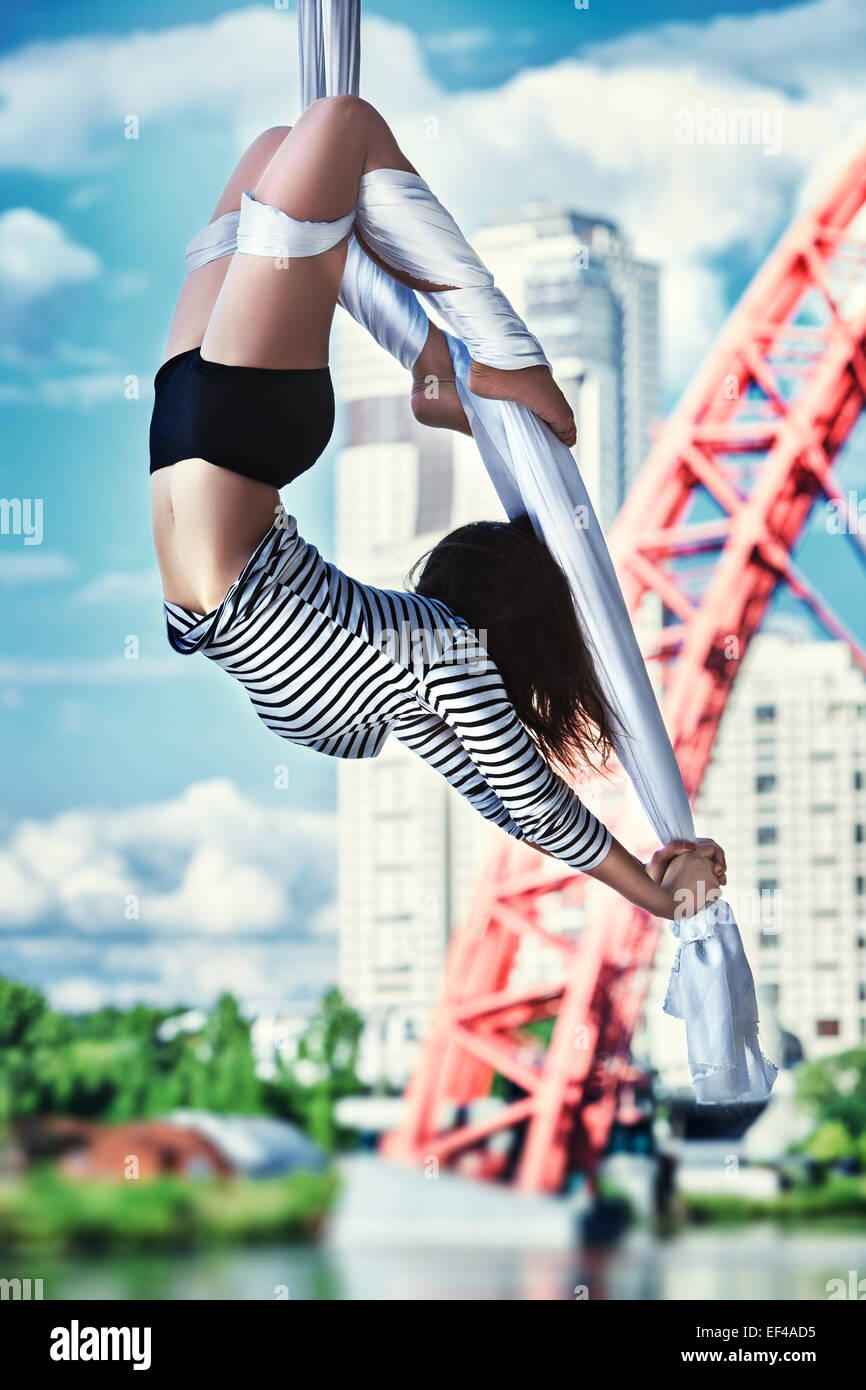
[(757, 1263)]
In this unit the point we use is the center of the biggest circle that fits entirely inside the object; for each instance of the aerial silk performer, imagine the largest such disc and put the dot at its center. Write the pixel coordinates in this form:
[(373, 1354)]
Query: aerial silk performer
[(521, 663)]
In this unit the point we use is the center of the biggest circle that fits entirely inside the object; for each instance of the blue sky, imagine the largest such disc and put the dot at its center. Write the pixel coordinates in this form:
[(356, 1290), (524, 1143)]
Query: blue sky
[(100, 752)]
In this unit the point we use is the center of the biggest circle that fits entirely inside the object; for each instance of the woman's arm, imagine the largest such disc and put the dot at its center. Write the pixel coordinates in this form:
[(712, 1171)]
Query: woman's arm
[(465, 690), (684, 877), (627, 875)]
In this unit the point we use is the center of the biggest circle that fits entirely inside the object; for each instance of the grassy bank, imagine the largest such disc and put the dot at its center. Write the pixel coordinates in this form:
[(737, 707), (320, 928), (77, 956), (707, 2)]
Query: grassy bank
[(45, 1210), (840, 1202)]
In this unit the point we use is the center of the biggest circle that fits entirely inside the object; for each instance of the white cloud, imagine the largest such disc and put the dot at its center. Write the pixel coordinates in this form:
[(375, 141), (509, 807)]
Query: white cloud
[(239, 69), (96, 671), (85, 195), (220, 895), (37, 256), (81, 390), (270, 974), (691, 297), (38, 262), (597, 134), (459, 40), (127, 284), (211, 862), (810, 48), (73, 391), (120, 586), (74, 355), (79, 994), (24, 897), (35, 566)]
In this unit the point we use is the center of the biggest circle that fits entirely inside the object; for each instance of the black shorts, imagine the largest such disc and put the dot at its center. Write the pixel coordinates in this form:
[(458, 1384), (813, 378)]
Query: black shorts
[(269, 424)]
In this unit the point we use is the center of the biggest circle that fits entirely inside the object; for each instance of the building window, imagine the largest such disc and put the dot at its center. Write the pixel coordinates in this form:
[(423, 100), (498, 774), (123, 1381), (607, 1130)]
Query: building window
[(827, 1028), (860, 885), (770, 995), (858, 780), (858, 834), (765, 714), (765, 782), (767, 885), (767, 835), (769, 938), (861, 991)]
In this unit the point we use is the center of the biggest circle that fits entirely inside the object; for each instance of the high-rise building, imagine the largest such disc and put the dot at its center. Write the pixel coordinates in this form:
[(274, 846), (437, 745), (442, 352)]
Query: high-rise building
[(410, 848), (595, 308), (785, 795), (400, 487)]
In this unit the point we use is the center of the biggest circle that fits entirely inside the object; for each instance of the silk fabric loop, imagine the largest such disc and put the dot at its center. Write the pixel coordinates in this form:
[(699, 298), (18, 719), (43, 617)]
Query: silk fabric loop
[(403, 222), (219, 238), (264, 230)]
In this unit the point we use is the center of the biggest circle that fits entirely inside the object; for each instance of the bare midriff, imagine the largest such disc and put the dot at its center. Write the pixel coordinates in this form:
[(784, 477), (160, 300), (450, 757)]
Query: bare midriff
[(207, 521)]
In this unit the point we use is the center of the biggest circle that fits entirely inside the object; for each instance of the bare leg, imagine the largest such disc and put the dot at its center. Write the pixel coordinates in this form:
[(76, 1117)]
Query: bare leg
[(278, 313), (434, 393), (199, 292)]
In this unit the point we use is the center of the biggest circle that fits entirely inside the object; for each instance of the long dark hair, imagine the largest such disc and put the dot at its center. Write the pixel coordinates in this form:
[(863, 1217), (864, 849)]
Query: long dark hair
[(503, 581)]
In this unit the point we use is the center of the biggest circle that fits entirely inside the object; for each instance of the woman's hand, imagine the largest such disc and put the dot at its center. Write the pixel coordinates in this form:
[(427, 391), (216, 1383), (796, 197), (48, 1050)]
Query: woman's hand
[(657, 866), (691, 882), (716, 855)]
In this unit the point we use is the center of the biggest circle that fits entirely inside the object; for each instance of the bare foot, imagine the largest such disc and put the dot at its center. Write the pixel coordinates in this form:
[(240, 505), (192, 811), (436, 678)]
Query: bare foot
[(435, 400), (533, 387)]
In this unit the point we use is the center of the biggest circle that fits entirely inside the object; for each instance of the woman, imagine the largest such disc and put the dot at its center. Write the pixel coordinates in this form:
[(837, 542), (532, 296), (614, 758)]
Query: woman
[(244, 404)]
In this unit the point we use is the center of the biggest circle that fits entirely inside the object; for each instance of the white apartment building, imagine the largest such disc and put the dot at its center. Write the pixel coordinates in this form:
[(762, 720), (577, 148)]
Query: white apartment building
[(785, 794)]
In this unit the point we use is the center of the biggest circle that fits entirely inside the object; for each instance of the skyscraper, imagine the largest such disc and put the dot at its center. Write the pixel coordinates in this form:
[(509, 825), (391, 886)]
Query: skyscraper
[(595, 308)]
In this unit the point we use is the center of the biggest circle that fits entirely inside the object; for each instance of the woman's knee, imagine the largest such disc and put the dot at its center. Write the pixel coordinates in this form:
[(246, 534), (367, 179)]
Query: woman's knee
[(344, 109)]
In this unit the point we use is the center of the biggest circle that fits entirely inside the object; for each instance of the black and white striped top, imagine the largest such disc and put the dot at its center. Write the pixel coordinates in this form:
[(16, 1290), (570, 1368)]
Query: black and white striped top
[(337, 666)]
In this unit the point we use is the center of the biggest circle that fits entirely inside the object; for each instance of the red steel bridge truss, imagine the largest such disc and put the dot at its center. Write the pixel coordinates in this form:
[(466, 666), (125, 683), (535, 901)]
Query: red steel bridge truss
[(709, 529)]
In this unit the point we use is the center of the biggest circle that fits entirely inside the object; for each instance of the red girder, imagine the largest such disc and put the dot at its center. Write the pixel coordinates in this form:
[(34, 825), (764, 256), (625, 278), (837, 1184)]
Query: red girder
[(757, 431)]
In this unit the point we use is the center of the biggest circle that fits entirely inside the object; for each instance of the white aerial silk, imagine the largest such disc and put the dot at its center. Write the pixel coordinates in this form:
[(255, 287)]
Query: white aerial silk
[(711, 985), (264, 230), (403, 222), (218, 238)]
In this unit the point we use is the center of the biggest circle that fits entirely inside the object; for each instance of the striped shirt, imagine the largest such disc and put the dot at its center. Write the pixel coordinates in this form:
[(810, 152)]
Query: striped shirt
[(337, 666)]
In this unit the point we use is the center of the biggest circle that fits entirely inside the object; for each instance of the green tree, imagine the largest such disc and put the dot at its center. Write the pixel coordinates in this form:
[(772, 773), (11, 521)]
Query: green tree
[(307, 1088), (233, 1087), (834, 1088), (830, 1142)]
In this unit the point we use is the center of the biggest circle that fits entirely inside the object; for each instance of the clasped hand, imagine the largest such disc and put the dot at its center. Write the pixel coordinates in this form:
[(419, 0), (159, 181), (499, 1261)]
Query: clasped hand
[(692, 872)]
